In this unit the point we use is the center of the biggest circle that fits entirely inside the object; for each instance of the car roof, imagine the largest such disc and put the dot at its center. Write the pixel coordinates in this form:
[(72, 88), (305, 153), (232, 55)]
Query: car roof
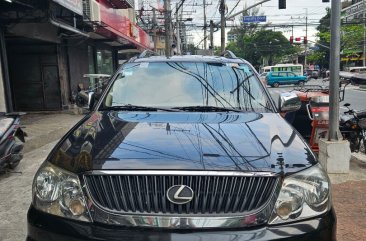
[(281, 72), (190, 58)]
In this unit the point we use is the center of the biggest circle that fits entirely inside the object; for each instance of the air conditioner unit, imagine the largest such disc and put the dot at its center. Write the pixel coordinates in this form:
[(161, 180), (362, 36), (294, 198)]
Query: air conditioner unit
[(94, 11)]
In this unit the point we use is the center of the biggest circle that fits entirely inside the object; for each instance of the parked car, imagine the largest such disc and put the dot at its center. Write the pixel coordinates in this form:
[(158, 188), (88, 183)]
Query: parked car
[(183, 148), (312, 73), (263, 79), (275, 79), (358, 79)]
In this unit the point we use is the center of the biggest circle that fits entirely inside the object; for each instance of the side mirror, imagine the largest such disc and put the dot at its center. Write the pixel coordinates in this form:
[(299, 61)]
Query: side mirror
[(289, 102), (91, 100)]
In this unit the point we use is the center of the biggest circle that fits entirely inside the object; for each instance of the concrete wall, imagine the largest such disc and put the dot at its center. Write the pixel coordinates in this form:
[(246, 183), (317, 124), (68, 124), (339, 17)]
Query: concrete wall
[(63, 76), (78, 63), (2, 92)]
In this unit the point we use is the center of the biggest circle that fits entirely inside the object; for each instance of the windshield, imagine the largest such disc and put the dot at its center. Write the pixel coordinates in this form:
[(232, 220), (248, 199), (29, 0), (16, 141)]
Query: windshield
[(182, 84)]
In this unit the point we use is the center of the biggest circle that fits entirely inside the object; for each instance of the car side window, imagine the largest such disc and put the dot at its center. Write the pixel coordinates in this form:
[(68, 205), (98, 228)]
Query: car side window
[(282, 74), (290, 75)]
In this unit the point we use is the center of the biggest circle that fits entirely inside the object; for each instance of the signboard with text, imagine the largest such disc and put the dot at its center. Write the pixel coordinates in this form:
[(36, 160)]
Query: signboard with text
[(123, 27), (254, 19), (73, 5)]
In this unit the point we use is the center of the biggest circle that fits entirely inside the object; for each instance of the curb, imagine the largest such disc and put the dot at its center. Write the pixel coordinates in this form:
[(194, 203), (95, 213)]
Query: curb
[(358, 157)]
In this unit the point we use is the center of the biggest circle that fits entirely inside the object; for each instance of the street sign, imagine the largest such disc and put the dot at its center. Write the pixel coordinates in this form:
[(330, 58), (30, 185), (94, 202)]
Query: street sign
[(254, 19)]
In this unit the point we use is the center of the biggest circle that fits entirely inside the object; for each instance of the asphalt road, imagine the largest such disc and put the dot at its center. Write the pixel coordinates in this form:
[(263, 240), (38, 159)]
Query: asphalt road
[(353, 94)]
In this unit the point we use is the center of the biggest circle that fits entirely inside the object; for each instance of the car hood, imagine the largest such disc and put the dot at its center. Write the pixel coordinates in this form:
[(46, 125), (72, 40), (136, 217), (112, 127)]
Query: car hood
[(182, 141)]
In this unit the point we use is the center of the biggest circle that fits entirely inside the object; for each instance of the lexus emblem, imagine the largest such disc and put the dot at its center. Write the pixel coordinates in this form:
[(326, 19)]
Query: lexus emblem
[(180, 194)]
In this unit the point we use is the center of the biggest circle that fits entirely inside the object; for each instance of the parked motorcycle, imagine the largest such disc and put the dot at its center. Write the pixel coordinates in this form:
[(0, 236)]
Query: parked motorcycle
[(12, 139), (97, 84), (353, 128)]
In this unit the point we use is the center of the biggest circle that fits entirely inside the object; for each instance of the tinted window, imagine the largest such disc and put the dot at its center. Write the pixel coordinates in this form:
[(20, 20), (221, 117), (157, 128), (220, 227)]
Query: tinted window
[(281, 74), (177, 84)]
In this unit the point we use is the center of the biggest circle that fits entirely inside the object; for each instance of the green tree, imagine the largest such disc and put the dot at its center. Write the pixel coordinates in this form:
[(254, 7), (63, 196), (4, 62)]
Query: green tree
[(263, 43), (351, 40)]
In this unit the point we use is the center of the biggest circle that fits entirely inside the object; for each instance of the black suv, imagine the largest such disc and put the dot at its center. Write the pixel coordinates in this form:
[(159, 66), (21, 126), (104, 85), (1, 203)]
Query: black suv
[(183, 148)]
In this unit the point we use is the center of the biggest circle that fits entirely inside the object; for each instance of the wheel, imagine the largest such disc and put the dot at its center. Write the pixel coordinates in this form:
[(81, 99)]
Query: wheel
[(276, 85), (301, 83)]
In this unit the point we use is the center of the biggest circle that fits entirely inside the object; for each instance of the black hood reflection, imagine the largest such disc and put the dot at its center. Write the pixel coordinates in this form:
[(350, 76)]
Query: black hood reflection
[(183, 141)]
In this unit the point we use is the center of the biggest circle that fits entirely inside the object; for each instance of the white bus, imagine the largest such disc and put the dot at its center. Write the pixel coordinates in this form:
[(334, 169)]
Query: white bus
[(298, 69)]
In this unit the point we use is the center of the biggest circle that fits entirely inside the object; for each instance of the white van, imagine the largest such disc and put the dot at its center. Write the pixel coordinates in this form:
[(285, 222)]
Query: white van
[(357, 69)]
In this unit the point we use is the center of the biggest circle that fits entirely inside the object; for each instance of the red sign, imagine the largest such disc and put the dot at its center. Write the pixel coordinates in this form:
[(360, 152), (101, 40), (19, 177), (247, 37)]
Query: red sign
[(122, 26), (73, 5)]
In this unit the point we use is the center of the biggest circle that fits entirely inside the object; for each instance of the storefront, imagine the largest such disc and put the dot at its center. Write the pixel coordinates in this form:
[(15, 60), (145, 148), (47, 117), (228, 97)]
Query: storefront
[(44, 56)]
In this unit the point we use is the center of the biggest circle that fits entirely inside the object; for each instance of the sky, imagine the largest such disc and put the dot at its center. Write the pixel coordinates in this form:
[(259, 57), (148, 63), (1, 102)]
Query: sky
[(294, 13)]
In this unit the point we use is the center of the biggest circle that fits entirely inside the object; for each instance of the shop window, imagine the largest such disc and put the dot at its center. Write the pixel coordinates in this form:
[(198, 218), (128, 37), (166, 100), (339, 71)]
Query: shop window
[(104, 62)]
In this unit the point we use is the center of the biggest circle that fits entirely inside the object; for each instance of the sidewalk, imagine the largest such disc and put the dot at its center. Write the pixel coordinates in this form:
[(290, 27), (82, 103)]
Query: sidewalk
[(45, 128), (349, 199)]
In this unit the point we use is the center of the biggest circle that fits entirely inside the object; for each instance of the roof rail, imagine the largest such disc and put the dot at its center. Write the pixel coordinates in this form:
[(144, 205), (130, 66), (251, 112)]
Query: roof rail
[(228, 54), (147, 53)]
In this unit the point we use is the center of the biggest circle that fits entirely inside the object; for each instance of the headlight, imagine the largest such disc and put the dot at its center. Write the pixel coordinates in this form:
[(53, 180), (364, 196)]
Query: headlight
[(303, 195), (58, 192)]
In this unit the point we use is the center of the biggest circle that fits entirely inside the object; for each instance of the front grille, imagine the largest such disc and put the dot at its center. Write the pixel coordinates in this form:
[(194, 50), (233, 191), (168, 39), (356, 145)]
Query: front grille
[(212, 194)]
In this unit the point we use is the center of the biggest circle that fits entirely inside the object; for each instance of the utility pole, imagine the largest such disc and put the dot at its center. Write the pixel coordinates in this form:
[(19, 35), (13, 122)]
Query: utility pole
[(223, 23), (334, 70), (177, 26), (168, 43), (364, 33), (204, 26), (306, 36), (211, 34), (155, 38)]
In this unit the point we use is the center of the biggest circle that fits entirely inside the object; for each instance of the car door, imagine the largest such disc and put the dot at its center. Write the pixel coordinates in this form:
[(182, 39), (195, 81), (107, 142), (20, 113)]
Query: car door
[(291, 78), (282, 77), (271, 77)]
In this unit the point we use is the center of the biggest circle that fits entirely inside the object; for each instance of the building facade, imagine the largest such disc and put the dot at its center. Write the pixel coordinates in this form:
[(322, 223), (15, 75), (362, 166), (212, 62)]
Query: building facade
[(46, 46)]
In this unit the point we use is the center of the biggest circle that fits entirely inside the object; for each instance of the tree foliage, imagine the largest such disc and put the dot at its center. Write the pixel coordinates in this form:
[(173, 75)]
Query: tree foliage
[(262, 44), (254, 42), (351, 40)]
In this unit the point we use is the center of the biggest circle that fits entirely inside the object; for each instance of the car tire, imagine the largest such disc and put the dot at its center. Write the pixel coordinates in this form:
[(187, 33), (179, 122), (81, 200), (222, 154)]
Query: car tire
[(276, 85), (301, 83)]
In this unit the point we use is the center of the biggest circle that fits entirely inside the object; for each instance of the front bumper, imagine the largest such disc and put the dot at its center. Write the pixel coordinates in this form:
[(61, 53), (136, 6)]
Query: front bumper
[(45, 227)]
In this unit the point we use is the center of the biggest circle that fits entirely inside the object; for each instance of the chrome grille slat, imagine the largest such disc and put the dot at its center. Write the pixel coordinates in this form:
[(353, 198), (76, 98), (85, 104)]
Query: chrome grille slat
[(105, 192), (148, 193), (114, 193), (123, 197), (246, 195)]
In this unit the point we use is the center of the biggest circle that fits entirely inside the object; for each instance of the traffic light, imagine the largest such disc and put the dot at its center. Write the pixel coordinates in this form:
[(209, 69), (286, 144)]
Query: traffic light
[(291, 39), (281, 4), (305, 40)]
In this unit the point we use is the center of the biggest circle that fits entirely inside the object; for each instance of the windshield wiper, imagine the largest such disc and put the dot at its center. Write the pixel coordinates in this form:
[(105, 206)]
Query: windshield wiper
[(137, 108), (207, 108)]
